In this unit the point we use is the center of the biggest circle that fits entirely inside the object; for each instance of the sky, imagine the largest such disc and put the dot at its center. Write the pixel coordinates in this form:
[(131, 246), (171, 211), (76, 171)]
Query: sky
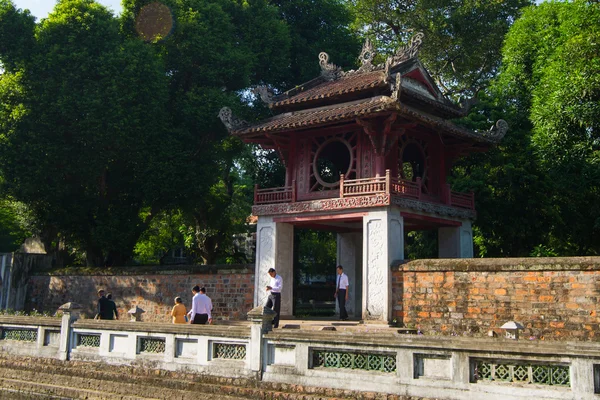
[(41, 8)]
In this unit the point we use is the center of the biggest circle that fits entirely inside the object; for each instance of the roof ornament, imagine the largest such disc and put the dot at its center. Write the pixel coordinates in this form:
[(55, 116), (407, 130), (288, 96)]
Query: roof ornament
[(497, 131), (366, 57), (265, 94), (329, 71), (409, 51), (396, 87), (230, 121)]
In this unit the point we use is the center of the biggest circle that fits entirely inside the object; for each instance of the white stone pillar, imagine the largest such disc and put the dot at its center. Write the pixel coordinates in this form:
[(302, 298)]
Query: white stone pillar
[(348, 256), (383, 243), (274, 249), (456, 242)]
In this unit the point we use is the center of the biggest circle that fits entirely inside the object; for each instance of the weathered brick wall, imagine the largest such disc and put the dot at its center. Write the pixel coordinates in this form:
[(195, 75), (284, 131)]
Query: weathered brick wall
[(554, 298), (230, 288)]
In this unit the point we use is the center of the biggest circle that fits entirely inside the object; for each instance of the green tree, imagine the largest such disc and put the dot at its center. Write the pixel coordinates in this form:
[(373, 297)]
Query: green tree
[(83, 135), (462, 41), (215, 51), (551, 76), (316, 26)]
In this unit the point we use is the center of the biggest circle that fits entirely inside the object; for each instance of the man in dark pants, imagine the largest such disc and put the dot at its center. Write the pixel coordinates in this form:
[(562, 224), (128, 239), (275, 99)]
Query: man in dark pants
[(341, 292), (201, 307), (274, 300), (105, 310)]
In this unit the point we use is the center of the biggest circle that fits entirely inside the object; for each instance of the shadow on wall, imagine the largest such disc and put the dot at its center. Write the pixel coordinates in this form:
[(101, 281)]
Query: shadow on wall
[(231, 291)]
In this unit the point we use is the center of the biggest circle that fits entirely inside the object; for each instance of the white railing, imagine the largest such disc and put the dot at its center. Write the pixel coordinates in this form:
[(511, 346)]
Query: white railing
[(409, 365)]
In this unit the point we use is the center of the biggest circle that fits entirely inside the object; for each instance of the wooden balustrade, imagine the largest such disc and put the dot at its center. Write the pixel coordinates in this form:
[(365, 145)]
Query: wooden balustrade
[(285, 194), (462, 200), (371, 186)]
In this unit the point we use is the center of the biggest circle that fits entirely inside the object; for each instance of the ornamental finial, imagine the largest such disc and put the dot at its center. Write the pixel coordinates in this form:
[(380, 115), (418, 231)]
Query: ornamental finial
[(329, 71), (366, 57), (264, 93), (231, 122), (410, 50), (497, 131)]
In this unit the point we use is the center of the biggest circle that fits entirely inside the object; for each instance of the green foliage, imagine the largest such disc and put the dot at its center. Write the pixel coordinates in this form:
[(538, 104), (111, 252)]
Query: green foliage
[(13, 225), (316, 26), (82, 101), (316, 251), (462, 38), (550, 77)]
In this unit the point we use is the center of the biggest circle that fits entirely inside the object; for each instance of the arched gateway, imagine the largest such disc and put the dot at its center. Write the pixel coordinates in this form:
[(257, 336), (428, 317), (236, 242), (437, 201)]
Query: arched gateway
[(366, 154)]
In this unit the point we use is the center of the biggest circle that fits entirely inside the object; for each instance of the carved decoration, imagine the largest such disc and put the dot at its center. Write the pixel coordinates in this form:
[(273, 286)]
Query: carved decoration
[(396, 87), (379, 200), (497, 131), (411, 50), (329, 71), (265, 94), (350, 139), (265, 260), (366, 57), (301, 182), (376, 262), (231, 122), (380, 143)]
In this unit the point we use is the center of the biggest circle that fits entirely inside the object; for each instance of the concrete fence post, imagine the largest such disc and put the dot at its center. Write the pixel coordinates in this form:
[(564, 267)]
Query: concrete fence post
[(262, 322), (70, 314)]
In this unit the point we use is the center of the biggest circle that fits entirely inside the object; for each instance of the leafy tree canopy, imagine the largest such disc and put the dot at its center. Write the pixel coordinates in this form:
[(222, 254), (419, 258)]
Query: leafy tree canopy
[(462, 41)]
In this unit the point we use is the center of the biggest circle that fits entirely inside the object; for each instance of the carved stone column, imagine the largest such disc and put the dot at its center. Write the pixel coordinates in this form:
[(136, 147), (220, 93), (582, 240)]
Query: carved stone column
[(456, 242), (383, 243), (274, 249), (349, 256)]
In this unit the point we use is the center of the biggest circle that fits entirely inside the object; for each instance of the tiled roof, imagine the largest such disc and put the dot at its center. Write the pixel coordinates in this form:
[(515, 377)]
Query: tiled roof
[(360, 108), (322, 115), (347, 84)]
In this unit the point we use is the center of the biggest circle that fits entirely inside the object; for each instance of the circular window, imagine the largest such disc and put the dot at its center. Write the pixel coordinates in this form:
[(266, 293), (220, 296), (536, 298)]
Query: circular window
[(334, 157)]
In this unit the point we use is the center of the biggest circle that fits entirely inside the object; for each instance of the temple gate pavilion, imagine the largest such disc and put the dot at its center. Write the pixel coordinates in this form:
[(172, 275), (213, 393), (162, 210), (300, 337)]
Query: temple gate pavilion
[(366, 153)]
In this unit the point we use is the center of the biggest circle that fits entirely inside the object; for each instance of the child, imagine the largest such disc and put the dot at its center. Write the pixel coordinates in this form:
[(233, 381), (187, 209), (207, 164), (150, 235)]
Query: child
[(178, 313)]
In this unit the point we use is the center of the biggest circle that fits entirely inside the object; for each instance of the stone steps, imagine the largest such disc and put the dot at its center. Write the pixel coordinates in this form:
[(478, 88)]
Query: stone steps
[(99, 381)]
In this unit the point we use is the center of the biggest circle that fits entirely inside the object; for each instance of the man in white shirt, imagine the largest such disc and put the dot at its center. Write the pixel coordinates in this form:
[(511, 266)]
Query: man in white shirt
[(274, 299), (201, 307), (341, 292)]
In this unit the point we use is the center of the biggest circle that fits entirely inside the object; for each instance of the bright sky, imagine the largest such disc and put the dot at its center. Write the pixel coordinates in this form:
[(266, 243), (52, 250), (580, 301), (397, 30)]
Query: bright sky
[(41, 8)]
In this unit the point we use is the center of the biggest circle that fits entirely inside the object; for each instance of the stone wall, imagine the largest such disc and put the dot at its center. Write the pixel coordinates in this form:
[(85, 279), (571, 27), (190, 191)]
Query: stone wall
[(554, 298), (231, 289)]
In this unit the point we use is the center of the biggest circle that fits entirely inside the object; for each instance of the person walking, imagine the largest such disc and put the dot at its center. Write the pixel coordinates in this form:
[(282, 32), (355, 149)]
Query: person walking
[(178, 312), (201, 307), (104, 308), (341, 292), (274, 299), (113, 306)]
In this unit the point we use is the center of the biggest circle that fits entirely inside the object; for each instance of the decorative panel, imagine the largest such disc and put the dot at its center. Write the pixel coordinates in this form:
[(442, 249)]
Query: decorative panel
[(231, 351), (19, 334), (152, 345), (354, 360), (85, 340), (520, 372)]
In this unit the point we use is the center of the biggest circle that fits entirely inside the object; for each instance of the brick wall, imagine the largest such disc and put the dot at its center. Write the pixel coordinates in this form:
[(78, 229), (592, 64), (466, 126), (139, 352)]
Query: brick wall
[(554, 298), (230, 288)]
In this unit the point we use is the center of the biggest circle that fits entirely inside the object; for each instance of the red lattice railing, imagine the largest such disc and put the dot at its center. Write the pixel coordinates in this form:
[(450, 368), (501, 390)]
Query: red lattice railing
[(371, 186), (462, 200), (286, 194)]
